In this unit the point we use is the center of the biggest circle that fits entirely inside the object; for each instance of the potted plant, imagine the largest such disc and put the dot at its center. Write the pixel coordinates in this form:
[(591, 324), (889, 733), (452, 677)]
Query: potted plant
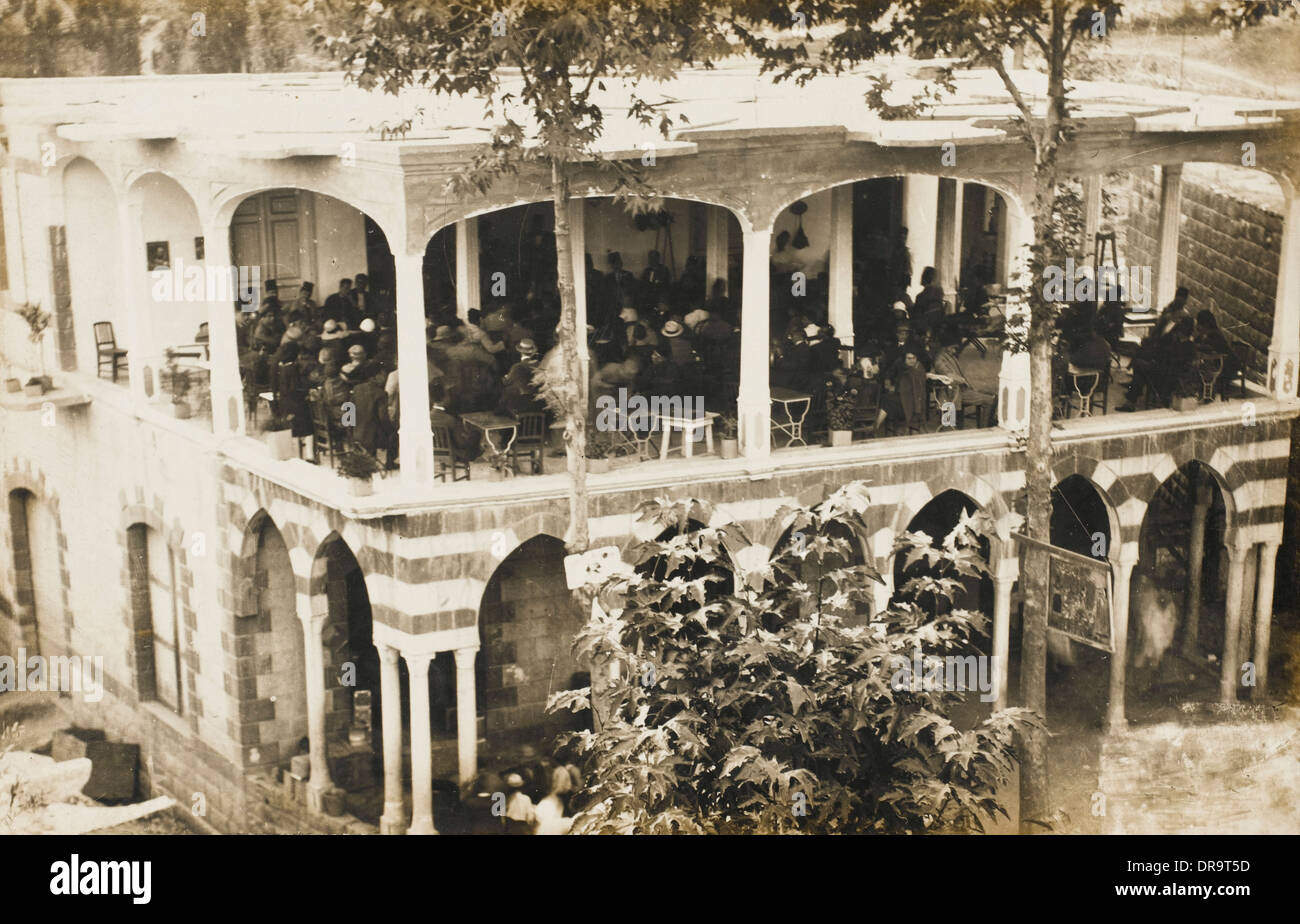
[(358, 466), (178, 384), (1187, 392), (13, 383), (841, 403), (279, 438), (729, 445), (34, 388), (37, 323), (599, 451)]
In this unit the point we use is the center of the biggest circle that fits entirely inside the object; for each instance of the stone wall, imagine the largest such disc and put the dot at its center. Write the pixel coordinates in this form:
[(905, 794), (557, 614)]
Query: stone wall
[(1228, 253)]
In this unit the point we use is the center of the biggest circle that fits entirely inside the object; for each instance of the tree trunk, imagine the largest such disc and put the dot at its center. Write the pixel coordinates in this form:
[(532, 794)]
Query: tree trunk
[(1035, 807), (574, 389)]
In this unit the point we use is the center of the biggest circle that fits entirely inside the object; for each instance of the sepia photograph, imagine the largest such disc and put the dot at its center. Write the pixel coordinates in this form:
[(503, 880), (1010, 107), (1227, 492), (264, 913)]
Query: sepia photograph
[(663, 417)]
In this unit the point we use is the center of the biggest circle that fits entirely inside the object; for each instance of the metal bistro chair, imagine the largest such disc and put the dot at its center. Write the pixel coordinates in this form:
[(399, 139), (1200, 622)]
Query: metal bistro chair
[(1209, 366), (444, 457), (107, 350), (530, 440), (1083, 386)]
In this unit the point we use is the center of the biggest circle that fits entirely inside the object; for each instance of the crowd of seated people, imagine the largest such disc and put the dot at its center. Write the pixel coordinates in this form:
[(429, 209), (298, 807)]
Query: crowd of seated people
[(342, 353)]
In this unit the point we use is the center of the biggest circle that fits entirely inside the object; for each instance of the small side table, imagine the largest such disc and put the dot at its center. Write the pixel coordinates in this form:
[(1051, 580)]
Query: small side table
[(688, 426)]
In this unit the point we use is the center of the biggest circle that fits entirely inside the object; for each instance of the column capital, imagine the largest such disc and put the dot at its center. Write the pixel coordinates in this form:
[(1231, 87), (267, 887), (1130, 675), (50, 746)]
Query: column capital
[(418, 660), (1129, 554), (387, 653), (1239, 549), (465, 657)]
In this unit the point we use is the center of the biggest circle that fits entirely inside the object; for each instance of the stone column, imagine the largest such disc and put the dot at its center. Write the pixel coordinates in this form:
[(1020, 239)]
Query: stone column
[(1091, 212), (466, 715), (716, 247), (313, 625), (1123, 571), (1171, 203), (1195, 565), (947, 258), (415, 436), (393, 821), (137, 303), (578, 250), (840, 296), (754, 405), (920, 217), (417, 665), (1264, 615), (1007, 572), (1013, 377), (1249, 577), (223, 348), (1284, 348), (1230, 675), (467, 271)]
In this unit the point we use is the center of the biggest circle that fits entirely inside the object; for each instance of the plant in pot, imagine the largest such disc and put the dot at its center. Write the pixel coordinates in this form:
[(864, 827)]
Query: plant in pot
[(729, 445), (37, 323), (841, 403), (178, 385), (1187, 392), (600, 449), (358, 466), (279, 438)]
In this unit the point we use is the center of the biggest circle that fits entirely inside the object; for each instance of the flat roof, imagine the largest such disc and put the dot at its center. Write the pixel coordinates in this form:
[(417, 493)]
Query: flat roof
[(294, 115)]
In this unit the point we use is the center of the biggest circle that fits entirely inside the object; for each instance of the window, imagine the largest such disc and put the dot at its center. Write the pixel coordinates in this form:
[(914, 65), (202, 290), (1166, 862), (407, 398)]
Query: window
[(156, 612)]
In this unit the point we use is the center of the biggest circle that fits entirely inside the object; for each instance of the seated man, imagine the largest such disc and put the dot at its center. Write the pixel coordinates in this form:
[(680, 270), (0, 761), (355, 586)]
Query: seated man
[(1091, 351), (464, 444), (948, 370), (519, 393)]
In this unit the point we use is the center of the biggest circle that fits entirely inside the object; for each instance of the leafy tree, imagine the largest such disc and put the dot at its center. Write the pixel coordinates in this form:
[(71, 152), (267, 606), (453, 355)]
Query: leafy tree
[(978, 33), (750, 696), (545, 115)]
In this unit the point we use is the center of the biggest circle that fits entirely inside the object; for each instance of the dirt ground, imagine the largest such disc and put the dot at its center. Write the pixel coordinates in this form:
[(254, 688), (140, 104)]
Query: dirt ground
[(39, 717)]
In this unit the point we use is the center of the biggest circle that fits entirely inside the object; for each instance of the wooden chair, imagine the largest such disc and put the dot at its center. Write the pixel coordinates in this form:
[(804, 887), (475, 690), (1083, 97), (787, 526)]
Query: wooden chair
[(106, 349), (530, 440), (868, 409), (324, 438), (1209, 366), (444, 457)]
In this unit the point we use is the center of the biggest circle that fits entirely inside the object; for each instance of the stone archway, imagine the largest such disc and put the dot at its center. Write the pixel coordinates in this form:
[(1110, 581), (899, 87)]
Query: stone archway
[(527, 621)]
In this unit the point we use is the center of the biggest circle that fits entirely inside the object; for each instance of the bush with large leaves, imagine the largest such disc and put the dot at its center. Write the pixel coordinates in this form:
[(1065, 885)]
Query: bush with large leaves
[(745, 694)]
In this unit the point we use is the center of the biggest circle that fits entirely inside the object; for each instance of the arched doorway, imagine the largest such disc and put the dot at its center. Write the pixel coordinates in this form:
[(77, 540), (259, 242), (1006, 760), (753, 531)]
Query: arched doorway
[(527, 622), (1078, 674), (815, 569), (1176, 622), (351, 677), (974, 593), (279, 643)]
